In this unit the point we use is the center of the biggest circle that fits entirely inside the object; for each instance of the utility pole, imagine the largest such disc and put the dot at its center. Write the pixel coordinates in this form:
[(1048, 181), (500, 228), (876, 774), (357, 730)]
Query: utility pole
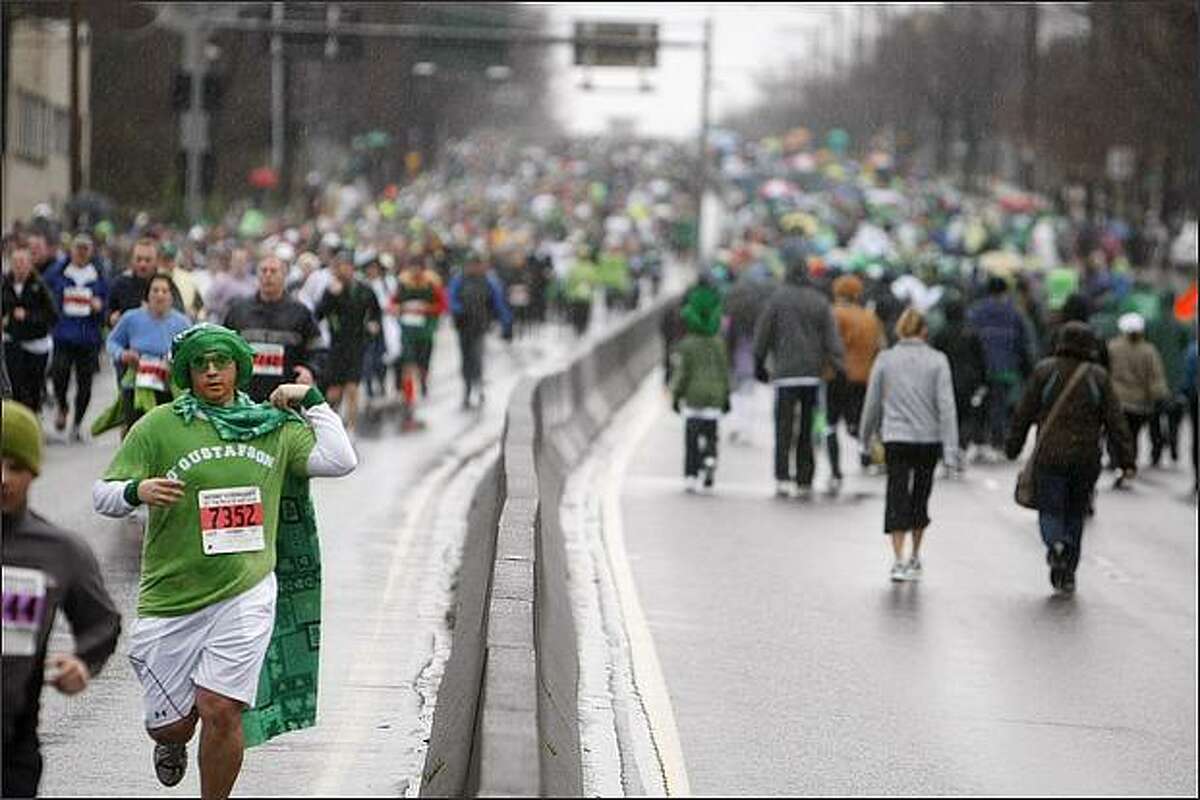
[(278, 96), (1029, 97), (194, 121), (705, 101), (76, 133)]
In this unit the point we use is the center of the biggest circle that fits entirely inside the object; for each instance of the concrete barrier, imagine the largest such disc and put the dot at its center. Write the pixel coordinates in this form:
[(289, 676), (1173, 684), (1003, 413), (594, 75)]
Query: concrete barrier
[(506, 721)]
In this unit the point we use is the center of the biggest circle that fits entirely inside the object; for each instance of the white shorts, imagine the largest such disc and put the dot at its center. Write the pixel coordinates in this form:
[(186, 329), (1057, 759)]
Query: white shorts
[(220, 648)]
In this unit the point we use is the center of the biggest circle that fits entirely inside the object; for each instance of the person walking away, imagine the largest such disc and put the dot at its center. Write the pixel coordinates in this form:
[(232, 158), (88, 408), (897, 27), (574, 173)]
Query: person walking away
[(1170, 338), (863, 338), (968, 370), (140, 348), (476, 298), (1007, 353), (798, 332), (910, 403), (1189, 392), (46, 570), (354, 316), (212, 467), (420, 300), (29, 314), (1137, 374), (744, 302), (288, 346), (700, 385), (80, 293), (1068, 456), (374, 365)]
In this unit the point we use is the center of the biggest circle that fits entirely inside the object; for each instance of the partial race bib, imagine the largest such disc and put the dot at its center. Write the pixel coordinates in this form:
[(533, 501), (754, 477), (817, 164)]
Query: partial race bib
[(231, 520), (268, 359), (412, 320), (153, 373), (24, 609), (77, 301)]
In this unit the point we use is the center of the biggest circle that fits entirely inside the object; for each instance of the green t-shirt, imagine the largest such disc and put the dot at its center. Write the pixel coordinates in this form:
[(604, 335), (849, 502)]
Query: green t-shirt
[(177, 576)]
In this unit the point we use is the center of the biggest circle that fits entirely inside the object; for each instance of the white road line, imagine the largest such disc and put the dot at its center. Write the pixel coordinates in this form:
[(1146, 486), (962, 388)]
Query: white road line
[(648, 676)]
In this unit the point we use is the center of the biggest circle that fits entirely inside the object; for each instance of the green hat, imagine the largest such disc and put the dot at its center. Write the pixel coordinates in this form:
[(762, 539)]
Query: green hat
[(701, 312), (22, 436), (205, 337)]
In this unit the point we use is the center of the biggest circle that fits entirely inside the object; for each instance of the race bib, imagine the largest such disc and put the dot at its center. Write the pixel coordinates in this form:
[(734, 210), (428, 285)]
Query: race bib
[(268, 358), (231, 520), (77, 301), (24, 609), (412, 320), (152, 373)]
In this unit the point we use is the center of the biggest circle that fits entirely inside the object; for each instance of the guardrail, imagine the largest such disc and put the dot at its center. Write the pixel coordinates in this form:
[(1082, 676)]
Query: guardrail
[(505, 721)]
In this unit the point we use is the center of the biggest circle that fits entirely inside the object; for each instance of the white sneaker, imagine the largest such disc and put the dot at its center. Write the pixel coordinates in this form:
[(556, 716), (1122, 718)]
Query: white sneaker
[(691, 484), (913, 568), (803, 492), (835, 486), (783, 488), (899, 572)]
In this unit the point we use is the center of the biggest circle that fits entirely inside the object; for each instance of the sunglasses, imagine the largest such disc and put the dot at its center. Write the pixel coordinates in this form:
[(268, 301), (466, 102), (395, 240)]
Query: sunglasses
[(218, 361)]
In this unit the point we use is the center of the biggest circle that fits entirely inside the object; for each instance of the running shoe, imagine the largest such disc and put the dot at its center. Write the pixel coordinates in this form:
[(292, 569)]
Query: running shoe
[(1067, 586), (170, 762), (899, 572), (835, 486), (1056, 557), (783, 489), (914, 568), (803, 492)]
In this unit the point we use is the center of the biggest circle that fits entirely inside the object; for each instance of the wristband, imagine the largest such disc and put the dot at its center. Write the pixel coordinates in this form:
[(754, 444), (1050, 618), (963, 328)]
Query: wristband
[(131, 493), (312, 398)]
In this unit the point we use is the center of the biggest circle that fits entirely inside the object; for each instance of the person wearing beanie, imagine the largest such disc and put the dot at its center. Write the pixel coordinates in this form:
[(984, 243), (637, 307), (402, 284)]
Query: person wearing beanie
[(1067, 462), (797, 331), (863, 337), (700, 383), (46, 569), (1138, 376)]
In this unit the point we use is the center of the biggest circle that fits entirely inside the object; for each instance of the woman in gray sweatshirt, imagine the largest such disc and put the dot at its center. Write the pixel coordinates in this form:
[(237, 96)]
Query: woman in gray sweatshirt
[(910, 400)]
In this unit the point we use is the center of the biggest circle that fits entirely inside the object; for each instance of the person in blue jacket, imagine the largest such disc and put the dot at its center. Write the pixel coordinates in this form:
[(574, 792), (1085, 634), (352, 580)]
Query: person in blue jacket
[(476, 298), (140, 345), (80, 294), (1008, 356)]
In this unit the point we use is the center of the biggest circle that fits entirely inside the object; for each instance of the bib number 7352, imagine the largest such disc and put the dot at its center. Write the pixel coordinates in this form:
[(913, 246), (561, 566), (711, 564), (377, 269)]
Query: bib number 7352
[(231, 520)]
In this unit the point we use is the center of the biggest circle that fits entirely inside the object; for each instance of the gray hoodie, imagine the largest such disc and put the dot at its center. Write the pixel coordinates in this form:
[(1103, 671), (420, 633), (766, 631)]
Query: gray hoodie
[(798, 330), (911, 398)]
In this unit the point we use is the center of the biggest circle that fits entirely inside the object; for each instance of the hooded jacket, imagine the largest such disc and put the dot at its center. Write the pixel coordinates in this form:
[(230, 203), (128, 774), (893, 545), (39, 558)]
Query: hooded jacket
[(798, 331), (1073, 442), (1137, 374)]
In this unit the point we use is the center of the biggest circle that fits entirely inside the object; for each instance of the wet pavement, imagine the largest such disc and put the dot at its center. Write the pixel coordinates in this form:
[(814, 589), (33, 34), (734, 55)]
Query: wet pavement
[(794, 666)]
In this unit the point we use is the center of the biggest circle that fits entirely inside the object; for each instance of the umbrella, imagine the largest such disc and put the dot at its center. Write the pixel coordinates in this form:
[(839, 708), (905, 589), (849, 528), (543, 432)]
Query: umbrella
[(1185, 305), (263, 178)]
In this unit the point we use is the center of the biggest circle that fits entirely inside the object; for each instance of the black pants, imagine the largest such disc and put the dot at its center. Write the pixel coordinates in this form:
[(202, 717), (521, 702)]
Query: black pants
[(910, 469), (27, 373), (22, 761), (843, 401), (1164, 430), (787, 399), (471, 348), (700, 441), (970, 421), (1135, 422), (82, 360)]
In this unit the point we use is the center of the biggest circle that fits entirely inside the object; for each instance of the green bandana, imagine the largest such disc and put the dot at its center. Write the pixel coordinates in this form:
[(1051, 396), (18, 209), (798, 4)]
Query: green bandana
[(240, 422), (204, 337)]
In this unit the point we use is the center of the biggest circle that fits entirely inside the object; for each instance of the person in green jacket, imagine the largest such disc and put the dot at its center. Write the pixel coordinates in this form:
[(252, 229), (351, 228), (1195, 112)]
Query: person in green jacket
[(700, 383), (1170, 338)]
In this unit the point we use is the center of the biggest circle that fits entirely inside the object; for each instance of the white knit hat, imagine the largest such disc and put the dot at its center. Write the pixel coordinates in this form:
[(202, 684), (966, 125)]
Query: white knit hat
[(1132, 322)]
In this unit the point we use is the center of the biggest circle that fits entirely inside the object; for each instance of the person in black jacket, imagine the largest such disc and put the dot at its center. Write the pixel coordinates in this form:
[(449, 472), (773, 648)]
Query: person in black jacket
[(45, 569), (968, 369), (29, 316), (288, 345)]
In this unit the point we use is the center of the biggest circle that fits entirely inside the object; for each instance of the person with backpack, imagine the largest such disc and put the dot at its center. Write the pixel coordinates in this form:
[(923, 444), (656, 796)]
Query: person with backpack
[(700, 384), (476, 299), (1074, 404)]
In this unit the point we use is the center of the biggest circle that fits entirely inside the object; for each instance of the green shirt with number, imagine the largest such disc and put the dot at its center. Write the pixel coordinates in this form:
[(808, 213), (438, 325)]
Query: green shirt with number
[(177, 577)]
